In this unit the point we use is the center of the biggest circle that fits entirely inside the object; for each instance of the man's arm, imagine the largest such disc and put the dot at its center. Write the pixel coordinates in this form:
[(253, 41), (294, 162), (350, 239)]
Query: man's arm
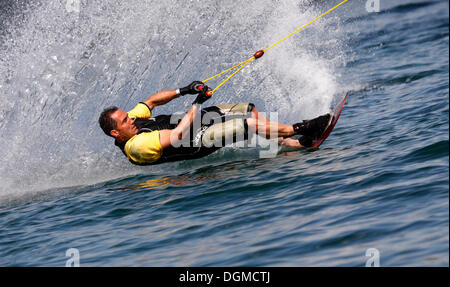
[(163, 97), (168, 138)]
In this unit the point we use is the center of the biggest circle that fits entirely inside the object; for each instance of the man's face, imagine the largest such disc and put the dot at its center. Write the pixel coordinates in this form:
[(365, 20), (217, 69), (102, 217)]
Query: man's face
[(125, 126)]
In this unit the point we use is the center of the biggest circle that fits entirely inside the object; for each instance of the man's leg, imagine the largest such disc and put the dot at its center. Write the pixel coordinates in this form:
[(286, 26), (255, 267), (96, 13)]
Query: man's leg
[(270, 129), (309, 129)]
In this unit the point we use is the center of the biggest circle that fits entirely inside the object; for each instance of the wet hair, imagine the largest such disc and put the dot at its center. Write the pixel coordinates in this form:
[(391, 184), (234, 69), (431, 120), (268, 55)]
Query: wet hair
[(106, 122)]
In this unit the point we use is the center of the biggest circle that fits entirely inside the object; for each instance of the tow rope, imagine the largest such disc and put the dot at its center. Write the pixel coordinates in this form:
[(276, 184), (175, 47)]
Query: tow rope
[(260, 53)]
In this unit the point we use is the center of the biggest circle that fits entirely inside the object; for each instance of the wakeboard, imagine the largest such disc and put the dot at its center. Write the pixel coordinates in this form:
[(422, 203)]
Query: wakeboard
[(334, 118)]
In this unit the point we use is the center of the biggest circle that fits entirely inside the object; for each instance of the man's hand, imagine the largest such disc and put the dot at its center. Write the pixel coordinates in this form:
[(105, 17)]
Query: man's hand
[(202, 96), (192, 88)]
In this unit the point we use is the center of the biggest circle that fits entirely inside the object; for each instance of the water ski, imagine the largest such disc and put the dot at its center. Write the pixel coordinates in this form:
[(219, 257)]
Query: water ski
[(334, 118)]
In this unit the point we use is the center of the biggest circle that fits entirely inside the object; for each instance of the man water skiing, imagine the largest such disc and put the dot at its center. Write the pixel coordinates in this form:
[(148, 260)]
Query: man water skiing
[(146, 140)]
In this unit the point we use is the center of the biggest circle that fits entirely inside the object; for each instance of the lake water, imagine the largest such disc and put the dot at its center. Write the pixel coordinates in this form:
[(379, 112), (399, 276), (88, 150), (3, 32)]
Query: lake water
[(381, 179)]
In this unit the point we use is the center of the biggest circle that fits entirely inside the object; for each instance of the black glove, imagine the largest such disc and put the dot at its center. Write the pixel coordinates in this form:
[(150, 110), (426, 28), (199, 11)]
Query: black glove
[(191, 89), (202, 96)]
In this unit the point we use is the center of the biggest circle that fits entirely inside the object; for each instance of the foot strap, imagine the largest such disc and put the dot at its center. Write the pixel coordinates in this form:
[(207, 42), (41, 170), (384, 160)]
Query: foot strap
[(305, 141)]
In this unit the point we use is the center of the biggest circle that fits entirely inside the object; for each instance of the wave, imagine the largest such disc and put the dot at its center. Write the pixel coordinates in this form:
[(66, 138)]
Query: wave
[(405, 8), (429, 152)]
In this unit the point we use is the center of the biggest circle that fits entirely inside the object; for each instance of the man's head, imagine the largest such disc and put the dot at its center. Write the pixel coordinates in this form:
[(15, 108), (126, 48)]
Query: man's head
[(116, 123)]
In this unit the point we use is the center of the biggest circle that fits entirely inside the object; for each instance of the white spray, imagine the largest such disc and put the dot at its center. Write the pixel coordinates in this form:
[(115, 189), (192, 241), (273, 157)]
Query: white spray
[(59, 67)]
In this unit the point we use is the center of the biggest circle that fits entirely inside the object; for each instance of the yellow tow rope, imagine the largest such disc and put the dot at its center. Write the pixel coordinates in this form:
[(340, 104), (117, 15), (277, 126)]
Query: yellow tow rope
[(261, 52)]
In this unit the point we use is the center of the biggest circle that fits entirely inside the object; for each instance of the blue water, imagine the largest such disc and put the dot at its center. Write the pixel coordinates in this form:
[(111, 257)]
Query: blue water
[(381, 180)]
